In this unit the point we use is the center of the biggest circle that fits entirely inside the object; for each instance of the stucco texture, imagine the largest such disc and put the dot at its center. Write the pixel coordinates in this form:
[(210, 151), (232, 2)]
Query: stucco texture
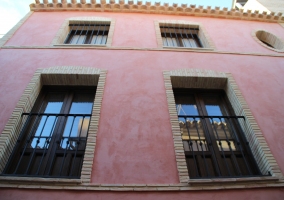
[(134, 141)]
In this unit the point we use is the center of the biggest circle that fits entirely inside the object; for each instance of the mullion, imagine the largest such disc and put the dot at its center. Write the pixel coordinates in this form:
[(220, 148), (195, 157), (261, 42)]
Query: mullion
[(211, 134), (55, 137)]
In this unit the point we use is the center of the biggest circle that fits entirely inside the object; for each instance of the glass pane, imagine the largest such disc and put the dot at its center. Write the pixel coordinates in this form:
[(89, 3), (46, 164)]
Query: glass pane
[(77, 127), (189, 42), (191, 127), (221, 128), (100, 40), (47, 124), (78, 39)]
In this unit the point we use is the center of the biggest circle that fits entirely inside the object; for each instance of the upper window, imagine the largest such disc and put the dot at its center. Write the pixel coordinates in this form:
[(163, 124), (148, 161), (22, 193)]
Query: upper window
[(213, 140), (269, 40), (180, 36), (53, 139), (88, 33)]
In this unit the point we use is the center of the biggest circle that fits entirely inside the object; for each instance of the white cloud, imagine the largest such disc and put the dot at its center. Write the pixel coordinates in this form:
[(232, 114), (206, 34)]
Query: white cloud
[(11, 12)]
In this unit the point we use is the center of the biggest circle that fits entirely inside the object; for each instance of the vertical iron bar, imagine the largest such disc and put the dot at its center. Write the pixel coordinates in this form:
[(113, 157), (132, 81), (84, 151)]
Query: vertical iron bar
[(46, 144), (196, 33), (71, 171), (229, 144), (178, 43), (86, 34), (53, 156), (181, 36), (204, 160), (220, 144), (27, 142), (91, 37), (187, 36), (191, 35), (192, 150), (75, 33), (97, 34), (170, 35), (240, 146), (37, 142), (67, 145), (21, 135), (210, 147), (80, 33), (103, 34), (165, 34)]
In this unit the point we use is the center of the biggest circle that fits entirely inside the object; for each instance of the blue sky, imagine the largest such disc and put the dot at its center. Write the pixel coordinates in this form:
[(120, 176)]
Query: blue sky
[(11, 11)]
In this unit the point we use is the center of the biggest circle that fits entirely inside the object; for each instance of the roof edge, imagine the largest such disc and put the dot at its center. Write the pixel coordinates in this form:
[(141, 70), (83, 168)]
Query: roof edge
[(157, 8)]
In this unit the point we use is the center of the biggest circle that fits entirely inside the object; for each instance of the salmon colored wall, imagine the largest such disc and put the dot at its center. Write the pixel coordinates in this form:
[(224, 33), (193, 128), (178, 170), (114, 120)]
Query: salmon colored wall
[(137, 30), (259, 194), (134, 142)]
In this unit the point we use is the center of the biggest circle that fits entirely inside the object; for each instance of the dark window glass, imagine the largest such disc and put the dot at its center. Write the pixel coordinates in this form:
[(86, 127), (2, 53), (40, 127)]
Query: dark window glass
[(53, 139), (214, 142)]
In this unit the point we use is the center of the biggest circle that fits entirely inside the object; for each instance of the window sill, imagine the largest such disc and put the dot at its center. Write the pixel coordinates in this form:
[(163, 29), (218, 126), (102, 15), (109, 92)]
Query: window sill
[(233, 180), (189, 48), (79, 45), (12, 179)]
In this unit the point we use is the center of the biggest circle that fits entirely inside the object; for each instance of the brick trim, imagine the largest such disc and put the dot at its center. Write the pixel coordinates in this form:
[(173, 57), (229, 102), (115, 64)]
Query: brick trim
[(61, 75), (64, 30), (82, 76), (202, 34), (264, 35), (12, 31), (208, 79), (157, 8)]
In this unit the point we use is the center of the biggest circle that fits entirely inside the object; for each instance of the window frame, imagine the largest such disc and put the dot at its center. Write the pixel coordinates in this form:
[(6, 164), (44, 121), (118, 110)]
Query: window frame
[(205, 41), (60, 123), (209, 79), (65, 76), (229, 167), (64, 31)]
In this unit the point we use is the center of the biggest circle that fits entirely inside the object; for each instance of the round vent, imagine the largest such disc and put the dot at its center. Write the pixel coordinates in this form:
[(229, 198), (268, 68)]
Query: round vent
[(269, 40)]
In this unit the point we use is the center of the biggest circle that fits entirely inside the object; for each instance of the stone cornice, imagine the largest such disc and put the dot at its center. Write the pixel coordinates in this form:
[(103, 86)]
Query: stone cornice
[(157, 8)]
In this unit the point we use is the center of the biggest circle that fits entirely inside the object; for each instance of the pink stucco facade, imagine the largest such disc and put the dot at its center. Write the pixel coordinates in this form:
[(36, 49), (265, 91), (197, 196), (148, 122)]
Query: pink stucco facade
[(134, 140)]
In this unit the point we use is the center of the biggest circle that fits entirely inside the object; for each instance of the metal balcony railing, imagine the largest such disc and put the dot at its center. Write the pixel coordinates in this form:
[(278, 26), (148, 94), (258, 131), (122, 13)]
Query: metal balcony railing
[(49, 145), (215, 146)]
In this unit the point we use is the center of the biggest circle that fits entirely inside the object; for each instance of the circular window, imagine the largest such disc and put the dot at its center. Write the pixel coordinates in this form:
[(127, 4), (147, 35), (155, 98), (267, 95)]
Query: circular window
[(269, 40)]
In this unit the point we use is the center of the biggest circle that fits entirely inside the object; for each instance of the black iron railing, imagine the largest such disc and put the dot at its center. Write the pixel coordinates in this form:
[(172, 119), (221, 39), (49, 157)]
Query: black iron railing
[(180, 36), (91, 34), (50, 145), (215, 146)]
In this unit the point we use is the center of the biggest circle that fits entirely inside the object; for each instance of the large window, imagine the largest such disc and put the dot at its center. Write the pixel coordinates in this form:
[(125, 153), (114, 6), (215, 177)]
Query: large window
[(53, 139), (213, 140)]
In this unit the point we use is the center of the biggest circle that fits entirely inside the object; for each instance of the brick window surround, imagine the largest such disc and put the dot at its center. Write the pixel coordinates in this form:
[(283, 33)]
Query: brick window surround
[(274, 43), (202, 34), (65, 29), (208, 79), (65, 76)]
